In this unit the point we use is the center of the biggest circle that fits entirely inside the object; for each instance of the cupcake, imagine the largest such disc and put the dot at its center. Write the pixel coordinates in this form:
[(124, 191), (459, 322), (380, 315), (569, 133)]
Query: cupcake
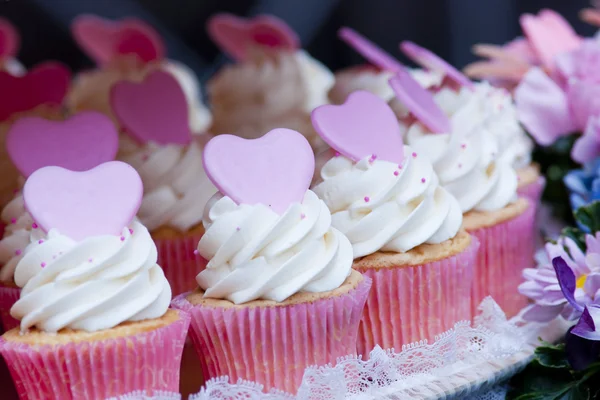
[(278, 294), (452, 130), (94, 306), (79, 143), (39, 92), (168, 157), (501, 118), (273, 84), (128, 49), (405, 229)]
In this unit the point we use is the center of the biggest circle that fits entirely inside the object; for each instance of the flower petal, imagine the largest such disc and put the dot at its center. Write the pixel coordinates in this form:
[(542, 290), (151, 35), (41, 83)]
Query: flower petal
[(566, 279), (586, 327), (537, 313)]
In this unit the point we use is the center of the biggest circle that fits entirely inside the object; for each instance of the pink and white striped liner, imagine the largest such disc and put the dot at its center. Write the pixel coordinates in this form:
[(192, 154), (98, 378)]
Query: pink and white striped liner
[(147, 361), (179, 262), (505, 250), (8, 296), (274, 345), (411, 303)]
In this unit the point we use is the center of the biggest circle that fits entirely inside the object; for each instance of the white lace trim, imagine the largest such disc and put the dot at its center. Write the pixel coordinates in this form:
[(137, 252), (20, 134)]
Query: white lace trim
[(466, 362), (142, 395)]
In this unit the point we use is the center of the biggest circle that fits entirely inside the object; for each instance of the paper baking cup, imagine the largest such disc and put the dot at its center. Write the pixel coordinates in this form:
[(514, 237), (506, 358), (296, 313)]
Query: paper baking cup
[(505, 250), (147, 361), (8, 297), (410, 303), (274, 345), (533, 191), (179, 263)]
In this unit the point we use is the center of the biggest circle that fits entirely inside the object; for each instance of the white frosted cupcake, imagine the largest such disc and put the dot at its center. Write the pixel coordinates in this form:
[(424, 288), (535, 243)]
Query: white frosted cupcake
[(273, 83), (94, 302)]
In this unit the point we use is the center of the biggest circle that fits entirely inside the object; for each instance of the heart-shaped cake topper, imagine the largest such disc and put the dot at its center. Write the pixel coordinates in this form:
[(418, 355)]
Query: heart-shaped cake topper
[(369, 50), (274, 170), (100, 201), (236, 35), (419, 102), (364, 126), (9, 39), (104, 40), (82, 142), (47, 83), (154, 110), (549, 34), (431, 61)]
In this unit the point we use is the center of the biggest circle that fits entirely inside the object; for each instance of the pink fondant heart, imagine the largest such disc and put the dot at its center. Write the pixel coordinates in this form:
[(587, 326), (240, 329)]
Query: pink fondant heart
[(235, 35), (154, 110), (420, 102), (431, 61), (103, 40), (100, 201), (369, 50), (9, 39), (550, 35), (79, 143), (46, 83), (364, 126), (274, 170)]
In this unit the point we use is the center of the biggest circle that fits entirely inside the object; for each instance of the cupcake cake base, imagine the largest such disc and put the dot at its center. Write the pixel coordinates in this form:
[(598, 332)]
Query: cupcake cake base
[(134, 356), (418, 294), (273, 343)]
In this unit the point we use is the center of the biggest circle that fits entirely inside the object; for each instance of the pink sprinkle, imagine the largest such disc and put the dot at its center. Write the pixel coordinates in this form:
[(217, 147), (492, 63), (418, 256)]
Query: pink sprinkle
[(414, 154), (399, 166), (43, 264), (89, 260), (423, 180), (237, 229), (60, 253), (396, 173), (13, 221), (464, 145), (336, 154), (367, 199), (122, 238), (40, 241), (34, 226), (15, 191), (374, 157), (145, 157), (18, 252), (54, 257), (302, 216), (195, 252), (131, 231), (459, 165)]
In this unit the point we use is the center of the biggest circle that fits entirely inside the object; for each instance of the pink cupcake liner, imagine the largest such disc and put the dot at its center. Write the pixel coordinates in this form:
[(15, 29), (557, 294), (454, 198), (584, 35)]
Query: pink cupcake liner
[(8, 297), (533, 191), (147, 362), (412, 303), (179, 263), (506, 249), (274, 345)]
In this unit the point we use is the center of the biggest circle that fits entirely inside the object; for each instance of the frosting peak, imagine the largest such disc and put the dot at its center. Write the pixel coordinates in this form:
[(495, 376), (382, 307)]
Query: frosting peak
[(254, 253)]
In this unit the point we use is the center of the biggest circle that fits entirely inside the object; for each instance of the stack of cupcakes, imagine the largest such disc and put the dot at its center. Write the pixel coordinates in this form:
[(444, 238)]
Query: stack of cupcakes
[(79, 143), (278, 294), (94, 303), (154, 113), (274, 83)]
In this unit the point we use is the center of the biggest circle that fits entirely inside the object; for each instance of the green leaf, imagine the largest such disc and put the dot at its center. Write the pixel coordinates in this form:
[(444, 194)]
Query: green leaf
[(552, 356), (575, 234), (589, 216)]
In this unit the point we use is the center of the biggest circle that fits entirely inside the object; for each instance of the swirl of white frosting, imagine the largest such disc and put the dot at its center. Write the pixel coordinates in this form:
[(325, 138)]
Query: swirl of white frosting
[(375, 81), (379, 205), (16, 236), (254, 253), (90, 285), (176, 187), (503, 122), (268, 91), (468, 161)]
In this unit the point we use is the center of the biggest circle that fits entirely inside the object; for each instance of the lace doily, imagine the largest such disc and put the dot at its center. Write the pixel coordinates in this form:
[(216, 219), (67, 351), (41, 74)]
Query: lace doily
[(464, 363), (141, 395)]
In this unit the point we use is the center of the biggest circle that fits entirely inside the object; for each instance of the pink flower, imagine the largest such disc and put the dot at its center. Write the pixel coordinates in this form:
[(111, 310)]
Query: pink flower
[(547, 35), (558, 105), (543, 287)]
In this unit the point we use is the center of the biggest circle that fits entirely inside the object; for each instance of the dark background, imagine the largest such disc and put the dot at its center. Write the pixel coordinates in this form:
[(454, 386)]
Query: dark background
[(449, 27)]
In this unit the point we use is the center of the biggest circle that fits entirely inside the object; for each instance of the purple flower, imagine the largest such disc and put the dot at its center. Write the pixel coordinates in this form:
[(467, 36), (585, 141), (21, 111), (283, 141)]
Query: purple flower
[(543, 284), (558, 105)]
